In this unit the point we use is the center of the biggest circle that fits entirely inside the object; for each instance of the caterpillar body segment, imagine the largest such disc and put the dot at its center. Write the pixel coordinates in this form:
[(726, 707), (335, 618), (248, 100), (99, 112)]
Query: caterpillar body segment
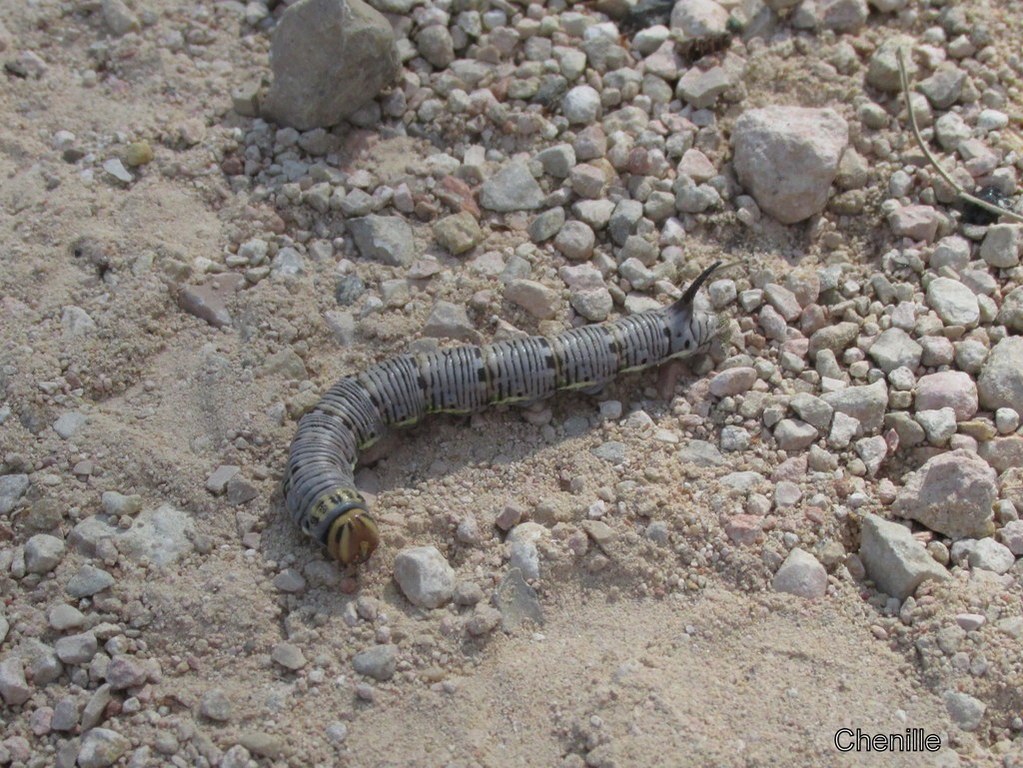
[(319, 482)]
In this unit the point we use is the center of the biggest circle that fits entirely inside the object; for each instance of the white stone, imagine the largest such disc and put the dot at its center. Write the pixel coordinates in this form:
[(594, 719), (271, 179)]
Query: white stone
[(801, 574), (425, 577)]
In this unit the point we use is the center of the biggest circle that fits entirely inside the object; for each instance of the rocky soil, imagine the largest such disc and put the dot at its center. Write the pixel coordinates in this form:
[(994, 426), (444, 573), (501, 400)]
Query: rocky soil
[(815, 526)]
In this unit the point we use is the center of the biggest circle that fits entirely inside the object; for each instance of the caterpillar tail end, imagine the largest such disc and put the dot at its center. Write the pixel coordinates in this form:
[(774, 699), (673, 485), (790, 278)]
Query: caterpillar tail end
[(352, 537)]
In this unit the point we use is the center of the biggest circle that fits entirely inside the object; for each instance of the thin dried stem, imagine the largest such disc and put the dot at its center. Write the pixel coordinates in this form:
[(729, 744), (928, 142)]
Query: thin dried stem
[(996, 209)]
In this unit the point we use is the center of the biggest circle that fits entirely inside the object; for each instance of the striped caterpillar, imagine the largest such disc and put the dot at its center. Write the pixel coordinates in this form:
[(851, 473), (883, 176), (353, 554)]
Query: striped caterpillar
[(319, 484)]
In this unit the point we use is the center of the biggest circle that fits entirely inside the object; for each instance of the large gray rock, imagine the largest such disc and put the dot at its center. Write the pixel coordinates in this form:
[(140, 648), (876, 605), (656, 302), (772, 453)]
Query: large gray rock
[(953, 494), (1001, 379), (387, 239), (895, 348), (895, 561), (330, 58), (787, 158)]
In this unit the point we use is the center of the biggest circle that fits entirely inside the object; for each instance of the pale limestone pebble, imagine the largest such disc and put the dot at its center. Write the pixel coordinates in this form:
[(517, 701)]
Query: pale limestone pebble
[(951, 130), (786, 494), (813, 410), (783, 300), (733, 381), (699, 19), (966, 711), (101, 747), (843, 429), (289, 656), (721, 293), (43, 553), (557, 161), (952, 494), (581, 105), (1002, 245), (1007, 421), (289, 580), (118, 504), (895, 348), (1011, 313), (216, 483), (69, 423), (575, 241), (1011, 535), (87, 581), (894, 560), (794, 435), (63, 617), (952, 389), (215, 705), (872, 452), (77, 649), (801, 574), (866, 404), (843, 16), (14, 689), (939, 425), (834, 338), (954, 303), (734, 438), (919, 223), (536, 298), (547, 224), (701, 88), (424, 576), (985, 554), (124, 672), (12, 488), (595, 305), (378, 662), (457, 233), (952, 251), (436, 45), (450, 321), (1000, 384), (787, 158)]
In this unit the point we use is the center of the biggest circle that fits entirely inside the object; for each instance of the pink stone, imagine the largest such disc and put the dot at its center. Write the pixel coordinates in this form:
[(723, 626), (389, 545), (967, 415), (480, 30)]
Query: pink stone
[(745, 529), (948, 389)]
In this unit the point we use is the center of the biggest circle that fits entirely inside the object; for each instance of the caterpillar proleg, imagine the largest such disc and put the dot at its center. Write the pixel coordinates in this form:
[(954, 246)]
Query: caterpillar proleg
[(319, 485)]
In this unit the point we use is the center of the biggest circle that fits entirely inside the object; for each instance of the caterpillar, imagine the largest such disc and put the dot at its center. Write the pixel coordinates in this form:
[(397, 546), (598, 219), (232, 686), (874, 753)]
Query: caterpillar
[(319, 485)]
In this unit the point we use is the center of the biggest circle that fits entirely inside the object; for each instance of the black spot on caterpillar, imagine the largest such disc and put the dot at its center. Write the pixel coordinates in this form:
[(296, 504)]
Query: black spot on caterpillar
[(319, 485)]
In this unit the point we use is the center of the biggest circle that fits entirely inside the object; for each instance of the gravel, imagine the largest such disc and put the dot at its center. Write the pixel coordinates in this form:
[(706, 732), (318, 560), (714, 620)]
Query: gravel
[(894, 560), (802, 575)]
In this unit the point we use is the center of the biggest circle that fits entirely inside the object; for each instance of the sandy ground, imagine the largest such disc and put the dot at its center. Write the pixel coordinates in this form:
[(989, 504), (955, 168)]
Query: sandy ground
[(647, 655)]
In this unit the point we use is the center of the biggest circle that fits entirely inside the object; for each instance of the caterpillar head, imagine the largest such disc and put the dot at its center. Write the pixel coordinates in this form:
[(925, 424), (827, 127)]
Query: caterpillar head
[(692, 330), (353, 537)]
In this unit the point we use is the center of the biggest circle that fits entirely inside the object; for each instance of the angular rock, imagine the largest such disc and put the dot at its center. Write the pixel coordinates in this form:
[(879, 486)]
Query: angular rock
[(43, 553), (378, 662), (101, 747), (794, 435), (954, 302), (952, 494), (866, 404), (787, 158), (387, 239), (1002, 245), (801, 574), (424, 576), (895, 561), (14, 689), (536, 298), (12, 488), (330, 58), (513, 188), (1001, 379), (88, 581), (450, 321), (965, 711), (895, 348), (699, 19)]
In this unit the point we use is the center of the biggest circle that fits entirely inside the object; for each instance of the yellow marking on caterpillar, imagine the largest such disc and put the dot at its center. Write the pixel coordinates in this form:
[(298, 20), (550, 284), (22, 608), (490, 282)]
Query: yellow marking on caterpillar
[(353, 537)]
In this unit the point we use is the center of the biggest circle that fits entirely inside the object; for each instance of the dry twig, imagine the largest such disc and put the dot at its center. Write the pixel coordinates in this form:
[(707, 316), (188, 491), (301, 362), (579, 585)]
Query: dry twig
[(995, 209)]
